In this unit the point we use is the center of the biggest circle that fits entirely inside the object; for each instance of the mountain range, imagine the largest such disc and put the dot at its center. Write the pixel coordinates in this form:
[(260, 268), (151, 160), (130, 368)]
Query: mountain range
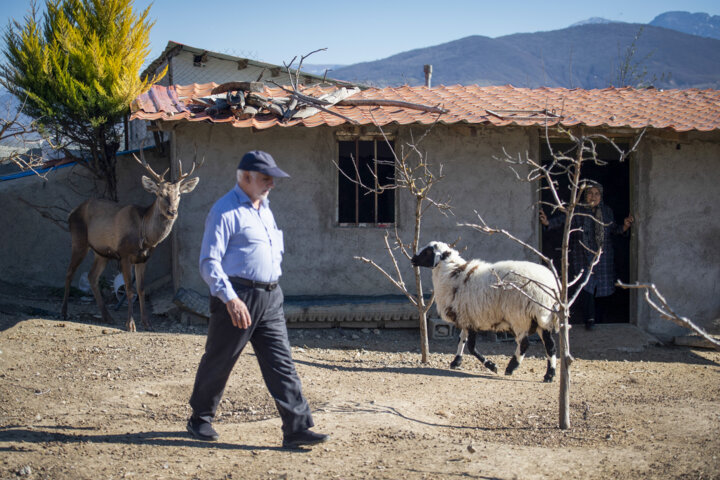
[(700, 24), (675, 50)]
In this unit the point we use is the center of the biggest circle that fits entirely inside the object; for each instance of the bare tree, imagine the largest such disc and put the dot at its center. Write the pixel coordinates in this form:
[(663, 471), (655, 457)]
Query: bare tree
[(570, 205), (412, 173), (415, 175)]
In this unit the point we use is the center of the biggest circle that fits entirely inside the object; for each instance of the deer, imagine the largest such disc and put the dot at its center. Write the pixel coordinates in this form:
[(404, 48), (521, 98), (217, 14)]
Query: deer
[(128, 234)]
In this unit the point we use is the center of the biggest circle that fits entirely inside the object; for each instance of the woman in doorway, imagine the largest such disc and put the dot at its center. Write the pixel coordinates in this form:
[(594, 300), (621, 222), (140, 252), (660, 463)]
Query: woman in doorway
[(594, 225)]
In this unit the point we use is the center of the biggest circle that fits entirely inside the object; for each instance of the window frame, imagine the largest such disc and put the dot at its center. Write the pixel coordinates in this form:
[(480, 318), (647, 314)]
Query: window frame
[(376, 139)]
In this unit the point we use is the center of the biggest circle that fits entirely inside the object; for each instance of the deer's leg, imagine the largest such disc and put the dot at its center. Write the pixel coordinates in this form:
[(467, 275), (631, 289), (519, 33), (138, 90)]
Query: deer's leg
[(76, 258), (140, 286), (126, 268), (95, 271)]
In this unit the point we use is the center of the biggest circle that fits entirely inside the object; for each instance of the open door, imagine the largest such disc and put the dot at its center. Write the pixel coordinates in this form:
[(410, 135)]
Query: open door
[(615, 178)]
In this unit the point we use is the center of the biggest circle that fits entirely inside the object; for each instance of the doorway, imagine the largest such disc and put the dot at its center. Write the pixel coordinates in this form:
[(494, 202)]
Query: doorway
[(615, 179)]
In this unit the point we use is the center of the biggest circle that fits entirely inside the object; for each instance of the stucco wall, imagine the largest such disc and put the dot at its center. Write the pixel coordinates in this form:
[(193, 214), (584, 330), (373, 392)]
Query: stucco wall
[(678, 228), (35, 251), (674, 192), (319, 254)]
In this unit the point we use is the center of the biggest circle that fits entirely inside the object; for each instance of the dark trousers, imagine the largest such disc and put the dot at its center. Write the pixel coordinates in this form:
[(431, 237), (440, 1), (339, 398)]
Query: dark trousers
[(268, 336)]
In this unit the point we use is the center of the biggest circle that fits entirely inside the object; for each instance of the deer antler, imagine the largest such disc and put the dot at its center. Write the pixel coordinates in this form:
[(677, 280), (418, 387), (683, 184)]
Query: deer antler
[(158, 178), (192, 169)]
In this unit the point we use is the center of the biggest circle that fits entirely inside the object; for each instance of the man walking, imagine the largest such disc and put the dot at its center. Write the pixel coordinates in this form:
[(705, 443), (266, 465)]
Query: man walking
[(240, 261)]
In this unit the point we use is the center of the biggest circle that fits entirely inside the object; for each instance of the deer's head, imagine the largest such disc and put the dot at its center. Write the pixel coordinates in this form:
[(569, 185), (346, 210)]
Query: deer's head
[(167, 192)]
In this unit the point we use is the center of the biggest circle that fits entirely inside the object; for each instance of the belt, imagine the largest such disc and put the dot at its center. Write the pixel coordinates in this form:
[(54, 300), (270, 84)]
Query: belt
[(253, 284)]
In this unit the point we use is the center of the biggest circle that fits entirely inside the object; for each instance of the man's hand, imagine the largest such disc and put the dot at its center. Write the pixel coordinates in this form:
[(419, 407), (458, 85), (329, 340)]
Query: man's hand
[(238, 313)]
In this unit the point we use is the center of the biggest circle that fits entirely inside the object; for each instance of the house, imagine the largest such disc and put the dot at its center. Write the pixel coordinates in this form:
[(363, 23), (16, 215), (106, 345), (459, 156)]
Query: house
[(186, 65), (670, 183)]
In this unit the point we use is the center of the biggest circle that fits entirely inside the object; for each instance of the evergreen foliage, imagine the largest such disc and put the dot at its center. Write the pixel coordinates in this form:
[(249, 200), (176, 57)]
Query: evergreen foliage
[(79, 69)]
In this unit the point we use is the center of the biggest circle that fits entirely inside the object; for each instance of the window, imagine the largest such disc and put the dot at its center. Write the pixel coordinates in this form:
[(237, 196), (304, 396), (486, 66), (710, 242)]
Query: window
[(375, 166)]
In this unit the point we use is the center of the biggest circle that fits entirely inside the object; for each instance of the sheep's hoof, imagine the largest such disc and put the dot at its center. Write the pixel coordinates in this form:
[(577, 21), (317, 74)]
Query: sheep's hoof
[(457, 362), (491, 366), (512, 365)]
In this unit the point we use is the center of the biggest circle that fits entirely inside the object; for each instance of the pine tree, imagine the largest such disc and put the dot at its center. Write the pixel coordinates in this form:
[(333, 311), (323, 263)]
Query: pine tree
[(79, 70)]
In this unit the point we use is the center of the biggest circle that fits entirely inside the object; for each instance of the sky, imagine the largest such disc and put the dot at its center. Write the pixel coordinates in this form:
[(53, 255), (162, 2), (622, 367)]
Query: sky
[(353, 32)]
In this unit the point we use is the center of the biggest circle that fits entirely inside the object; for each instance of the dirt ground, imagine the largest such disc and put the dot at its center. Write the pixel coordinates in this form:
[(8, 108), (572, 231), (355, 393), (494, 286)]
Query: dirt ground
[(84, 400)]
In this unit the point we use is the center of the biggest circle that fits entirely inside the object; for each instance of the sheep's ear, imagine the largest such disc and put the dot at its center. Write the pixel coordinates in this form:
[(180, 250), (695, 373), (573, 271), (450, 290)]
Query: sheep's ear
[(444, 255)]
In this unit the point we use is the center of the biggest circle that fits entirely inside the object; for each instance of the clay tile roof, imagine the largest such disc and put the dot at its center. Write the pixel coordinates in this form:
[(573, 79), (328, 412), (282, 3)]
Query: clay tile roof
[(679, 110)]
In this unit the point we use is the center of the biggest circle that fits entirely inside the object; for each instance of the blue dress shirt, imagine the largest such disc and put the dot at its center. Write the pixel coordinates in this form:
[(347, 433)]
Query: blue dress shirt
[(239, 241)]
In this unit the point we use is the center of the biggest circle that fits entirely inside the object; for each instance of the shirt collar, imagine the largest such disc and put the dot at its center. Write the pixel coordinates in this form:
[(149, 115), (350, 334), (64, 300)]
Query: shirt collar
[(243, 198)]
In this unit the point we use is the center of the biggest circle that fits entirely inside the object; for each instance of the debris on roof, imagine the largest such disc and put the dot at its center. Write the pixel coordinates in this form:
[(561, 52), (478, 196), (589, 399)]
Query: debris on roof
[(245, 100)]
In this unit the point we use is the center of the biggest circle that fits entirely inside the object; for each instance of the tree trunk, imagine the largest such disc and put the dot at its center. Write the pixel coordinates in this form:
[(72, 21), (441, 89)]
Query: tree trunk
[(424, 346), (103, 161), (565, 361), (565, 357)]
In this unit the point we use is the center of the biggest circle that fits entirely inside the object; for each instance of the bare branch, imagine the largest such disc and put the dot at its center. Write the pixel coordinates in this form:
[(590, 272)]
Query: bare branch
[(666, 311), (429, 304), (297, 72), (504, 284), (397, 284), (395, 264), (585, 278), (483, 227), (369, 102), (355, 180)]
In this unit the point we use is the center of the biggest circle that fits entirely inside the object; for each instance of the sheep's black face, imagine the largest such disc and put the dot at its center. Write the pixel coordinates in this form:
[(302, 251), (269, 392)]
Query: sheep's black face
[(427, 257)]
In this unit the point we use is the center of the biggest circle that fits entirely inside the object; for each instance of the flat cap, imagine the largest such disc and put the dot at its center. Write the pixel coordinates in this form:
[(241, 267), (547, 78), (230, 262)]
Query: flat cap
[(259, 161)]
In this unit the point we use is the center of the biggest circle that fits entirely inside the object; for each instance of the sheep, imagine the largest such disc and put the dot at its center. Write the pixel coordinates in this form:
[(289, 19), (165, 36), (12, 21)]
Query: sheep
[(468, 295)]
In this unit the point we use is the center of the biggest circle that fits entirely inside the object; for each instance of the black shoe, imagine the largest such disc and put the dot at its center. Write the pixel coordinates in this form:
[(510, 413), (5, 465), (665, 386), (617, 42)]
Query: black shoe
[(201, 430), (304, 438)]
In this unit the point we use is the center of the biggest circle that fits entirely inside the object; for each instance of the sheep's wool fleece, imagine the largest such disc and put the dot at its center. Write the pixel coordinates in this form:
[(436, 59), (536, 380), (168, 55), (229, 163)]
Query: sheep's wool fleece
[(466, 296)]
